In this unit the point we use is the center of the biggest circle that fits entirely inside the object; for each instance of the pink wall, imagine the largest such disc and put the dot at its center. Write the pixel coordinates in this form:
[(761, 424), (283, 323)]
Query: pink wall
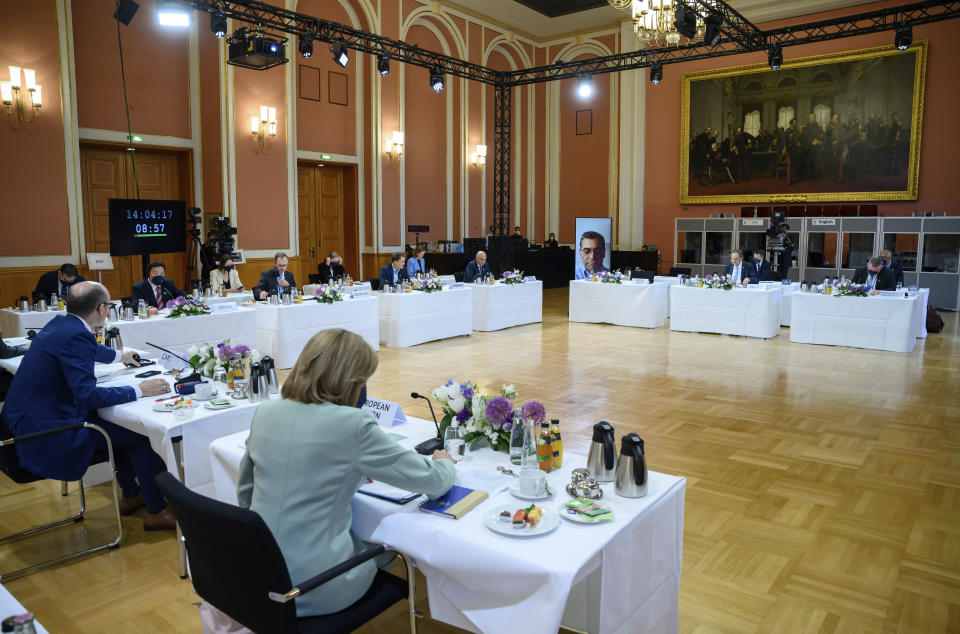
[(32, 160), (210, 129)]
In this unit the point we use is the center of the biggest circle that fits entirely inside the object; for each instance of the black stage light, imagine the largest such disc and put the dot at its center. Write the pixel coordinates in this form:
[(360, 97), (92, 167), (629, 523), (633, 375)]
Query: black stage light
[(383, 64), (218, 25), (436, 79), (656, 73), (126, 9), (306, 46), (685, 21), (904, 37), (340, 54), (713, 34), (775, 56)]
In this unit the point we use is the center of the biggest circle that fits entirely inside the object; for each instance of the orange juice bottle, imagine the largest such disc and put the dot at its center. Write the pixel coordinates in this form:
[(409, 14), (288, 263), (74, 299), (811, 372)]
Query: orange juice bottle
[(557, 443), (544, 448)]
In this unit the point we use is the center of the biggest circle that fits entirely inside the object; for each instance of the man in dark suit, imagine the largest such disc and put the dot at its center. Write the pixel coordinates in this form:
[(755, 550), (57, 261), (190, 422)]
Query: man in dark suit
[(876, 276), (740, 271), (761, 266), (395, 272), (887, 257), (331, 268), (786, 256), (155, 289), (9, 352), (477, 268), (56, 385), (57, 282), (275, 281)]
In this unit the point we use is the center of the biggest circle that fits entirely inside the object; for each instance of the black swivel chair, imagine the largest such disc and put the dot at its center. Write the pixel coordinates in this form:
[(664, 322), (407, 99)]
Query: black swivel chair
[(237, 567), (313, 278), (637, 274), (679, 270), (374, 283), (10, 465)]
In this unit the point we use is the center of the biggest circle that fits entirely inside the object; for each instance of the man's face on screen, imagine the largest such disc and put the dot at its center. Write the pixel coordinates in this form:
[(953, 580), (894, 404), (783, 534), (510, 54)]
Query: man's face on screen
[(591, 253)]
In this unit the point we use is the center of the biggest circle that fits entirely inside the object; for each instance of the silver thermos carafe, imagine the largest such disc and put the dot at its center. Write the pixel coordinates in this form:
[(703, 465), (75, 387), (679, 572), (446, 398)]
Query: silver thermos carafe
[(256, 393), (113, 340), (602, 457), (631, 481), (269, 370)]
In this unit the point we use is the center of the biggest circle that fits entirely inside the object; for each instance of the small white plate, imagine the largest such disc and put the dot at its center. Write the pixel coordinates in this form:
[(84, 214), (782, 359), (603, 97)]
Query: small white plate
[(577, 518), (165, 406), (515, 490), (547, 523), (215, 408), (212, 396)]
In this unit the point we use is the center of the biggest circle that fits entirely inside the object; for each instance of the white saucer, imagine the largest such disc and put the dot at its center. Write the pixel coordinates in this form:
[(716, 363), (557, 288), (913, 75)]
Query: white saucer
[(515, 490), (547, 523), (166, 406), (212, 396)]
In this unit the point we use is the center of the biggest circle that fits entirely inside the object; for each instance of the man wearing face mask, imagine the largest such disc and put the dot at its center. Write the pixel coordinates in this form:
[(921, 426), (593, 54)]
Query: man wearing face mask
[(57, 282), (877, 276), (762, 266), (886, 256), (56, 386), (275, 281), (155, 289)]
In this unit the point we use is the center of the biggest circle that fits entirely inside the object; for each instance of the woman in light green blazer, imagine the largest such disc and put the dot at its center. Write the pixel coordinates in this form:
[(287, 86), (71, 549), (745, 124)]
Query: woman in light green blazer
[(307, 455)]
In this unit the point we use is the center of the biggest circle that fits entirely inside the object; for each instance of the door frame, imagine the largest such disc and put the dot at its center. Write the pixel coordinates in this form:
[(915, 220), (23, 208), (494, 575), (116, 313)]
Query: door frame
[(353, 257)]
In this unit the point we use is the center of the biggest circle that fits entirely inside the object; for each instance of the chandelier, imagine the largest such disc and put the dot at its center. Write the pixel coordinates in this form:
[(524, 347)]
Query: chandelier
[(653, 21)]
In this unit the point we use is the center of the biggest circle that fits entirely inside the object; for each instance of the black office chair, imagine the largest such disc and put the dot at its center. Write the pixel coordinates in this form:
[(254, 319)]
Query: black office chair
[(679, 270), (374, 283), (237, 567), (458, 276), (313, 278), (10, 465), (637, 274)]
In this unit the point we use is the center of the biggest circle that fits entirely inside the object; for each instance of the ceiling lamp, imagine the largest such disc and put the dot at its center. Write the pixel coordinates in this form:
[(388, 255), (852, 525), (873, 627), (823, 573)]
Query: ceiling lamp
[(712, 30), (654, 22), (383, 64), (656, 73), (621, 5), (436, 79), (218, 25), (903, 38), (585, 86), (306, 46), (340, 54), (775, 56)]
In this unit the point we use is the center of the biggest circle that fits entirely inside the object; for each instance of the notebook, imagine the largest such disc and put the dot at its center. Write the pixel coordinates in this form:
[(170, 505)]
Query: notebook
[(387, 492), (455, 503)]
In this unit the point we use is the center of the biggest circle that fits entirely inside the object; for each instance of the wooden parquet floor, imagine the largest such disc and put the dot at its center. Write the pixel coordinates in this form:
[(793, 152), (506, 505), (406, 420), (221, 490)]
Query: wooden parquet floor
[(823, 484)]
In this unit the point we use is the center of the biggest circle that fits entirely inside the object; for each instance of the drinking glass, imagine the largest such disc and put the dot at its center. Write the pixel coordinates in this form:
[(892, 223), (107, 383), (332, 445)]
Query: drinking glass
[(454, 444)]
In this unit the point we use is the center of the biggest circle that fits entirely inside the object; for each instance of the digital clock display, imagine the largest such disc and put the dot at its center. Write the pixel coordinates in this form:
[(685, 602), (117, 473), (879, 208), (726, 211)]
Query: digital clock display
[(143, 227)]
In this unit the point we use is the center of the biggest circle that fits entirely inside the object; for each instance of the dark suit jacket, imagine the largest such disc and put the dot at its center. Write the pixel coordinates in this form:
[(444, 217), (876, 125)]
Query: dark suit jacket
[(897, 271), (886, 280), (551, 244), (268, 282), (746, 271), (763, 273), (48, 285), (7, 352), (386, 275), (334, 271), (55, 385), (143, 290), (473, 271)]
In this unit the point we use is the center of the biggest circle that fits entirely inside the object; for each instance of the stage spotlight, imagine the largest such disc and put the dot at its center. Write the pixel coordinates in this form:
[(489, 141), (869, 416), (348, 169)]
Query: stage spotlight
[(585, 86), (436, 79), (903, 38), (383, 65), (685, 21), (713, 34), (340, 54), (775, 56), (306, 46), (173, 14), (125, 11), (218, 25), (656, 73)]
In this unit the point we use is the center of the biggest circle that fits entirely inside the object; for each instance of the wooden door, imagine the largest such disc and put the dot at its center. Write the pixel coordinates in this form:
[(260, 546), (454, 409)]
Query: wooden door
[(330, 209), (307, 240), (159, 177)]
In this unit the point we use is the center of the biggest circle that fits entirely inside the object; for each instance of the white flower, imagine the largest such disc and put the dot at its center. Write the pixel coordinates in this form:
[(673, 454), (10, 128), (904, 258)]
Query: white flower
[(457, 403), (439, 393), (255, 356), (509, 391), (453, 390), (192, 351)]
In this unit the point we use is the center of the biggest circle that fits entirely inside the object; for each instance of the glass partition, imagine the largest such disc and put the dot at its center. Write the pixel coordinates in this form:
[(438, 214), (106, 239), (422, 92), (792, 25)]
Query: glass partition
[(753, 242), (689, 247), (822, 250), (904, 247), (719, 244), (941, 252), (857, 249)]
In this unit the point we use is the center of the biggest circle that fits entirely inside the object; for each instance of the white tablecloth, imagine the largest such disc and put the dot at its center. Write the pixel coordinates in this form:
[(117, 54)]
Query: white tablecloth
[(666, 279), (407, 319), (180, 333), (486, 582), (9, 606), (231, 298), (878, 323), (310, 289), (786, 302), (750, 312), (13, 323), (627, 304), (506, 305), (283, 330), (920, 309)]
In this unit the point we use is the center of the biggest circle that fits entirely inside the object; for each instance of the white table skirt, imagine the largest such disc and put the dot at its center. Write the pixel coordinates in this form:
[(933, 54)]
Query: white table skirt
[(506, 305), (786, 302), (9, 606), (627, 304), (669, 281), (749, 312), (181, 333), (633, 561), (407, 319), (877, 323), (14, 323), (283, 330)]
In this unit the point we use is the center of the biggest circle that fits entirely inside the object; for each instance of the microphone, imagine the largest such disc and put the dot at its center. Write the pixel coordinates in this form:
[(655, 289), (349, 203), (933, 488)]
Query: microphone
[(427, 447)]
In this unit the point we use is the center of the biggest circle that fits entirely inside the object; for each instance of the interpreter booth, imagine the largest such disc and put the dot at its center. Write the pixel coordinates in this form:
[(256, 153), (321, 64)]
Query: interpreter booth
[(703, 244), (940, 261)]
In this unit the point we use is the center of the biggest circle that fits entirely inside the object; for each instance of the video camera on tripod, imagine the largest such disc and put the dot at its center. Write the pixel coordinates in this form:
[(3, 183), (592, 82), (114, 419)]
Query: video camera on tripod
[(223, 241)]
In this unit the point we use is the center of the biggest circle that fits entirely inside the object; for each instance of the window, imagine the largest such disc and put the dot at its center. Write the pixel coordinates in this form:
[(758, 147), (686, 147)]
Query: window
[(941, 253), (857, 249), (751, 123), (784, 115), (904, 249), (821, 250), (822, 112), (690, 245), (753, 241), (719, 244)]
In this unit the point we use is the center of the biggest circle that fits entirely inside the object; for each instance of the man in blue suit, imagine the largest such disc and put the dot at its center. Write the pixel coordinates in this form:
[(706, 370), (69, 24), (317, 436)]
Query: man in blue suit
[(55, 386), (761, 266), (395, 272), (886, 256), (156, 289), (477, 268), (742, 272)]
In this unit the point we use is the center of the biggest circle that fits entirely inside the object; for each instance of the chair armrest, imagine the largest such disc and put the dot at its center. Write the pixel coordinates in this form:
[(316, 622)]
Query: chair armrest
[(41, 434), (329, 574)]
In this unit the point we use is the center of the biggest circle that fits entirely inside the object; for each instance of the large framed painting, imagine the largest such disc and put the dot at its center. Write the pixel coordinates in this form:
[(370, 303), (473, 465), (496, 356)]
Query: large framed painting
[(838, 127)]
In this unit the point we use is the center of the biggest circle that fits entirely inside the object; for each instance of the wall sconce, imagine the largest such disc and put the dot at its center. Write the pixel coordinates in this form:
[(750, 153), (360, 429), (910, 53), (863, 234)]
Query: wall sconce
[(264, 126), (13, 98), (479, 158), (394, 149)]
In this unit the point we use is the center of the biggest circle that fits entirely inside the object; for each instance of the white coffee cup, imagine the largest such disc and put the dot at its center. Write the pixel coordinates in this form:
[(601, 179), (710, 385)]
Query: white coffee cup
[(532, 482), (203, 390)]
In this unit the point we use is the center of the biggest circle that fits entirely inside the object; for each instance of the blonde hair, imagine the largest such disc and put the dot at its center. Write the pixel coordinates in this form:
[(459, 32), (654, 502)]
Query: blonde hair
[(332, 368)]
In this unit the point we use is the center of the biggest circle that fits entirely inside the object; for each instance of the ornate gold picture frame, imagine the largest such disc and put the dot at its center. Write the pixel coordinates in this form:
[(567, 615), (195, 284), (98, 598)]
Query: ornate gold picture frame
[(830, 128)]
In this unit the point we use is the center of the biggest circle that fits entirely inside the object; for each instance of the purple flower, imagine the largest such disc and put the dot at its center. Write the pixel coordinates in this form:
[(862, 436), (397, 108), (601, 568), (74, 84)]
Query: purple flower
[(507, 426), (466, 390), (181, 300), (498, 411), (534, 410), (169, 304), (464, 415)]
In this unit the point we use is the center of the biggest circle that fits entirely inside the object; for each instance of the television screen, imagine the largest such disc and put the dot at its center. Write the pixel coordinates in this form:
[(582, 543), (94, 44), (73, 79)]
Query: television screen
[(141, 227)]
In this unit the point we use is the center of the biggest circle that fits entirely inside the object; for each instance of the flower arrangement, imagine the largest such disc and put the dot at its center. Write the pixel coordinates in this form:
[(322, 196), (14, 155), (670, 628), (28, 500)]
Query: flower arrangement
[(606, 277), (483, 416), (718, 281), (183, 307), (429, 284), (847, 288), (327, 294), (513, 276), (205, 358)]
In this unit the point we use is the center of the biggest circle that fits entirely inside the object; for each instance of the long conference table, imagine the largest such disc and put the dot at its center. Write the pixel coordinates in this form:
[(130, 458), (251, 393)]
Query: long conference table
[(627, 304), (408, 319), (876, 322), (622, 576), (502, 305), (750, 312)]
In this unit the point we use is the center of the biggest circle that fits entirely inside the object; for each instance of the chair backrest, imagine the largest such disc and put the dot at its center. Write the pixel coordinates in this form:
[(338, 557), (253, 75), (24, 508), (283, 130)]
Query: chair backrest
[(640, 273), (374, 283), (679, 270), (9, 463), (313, 278), (234, 558)]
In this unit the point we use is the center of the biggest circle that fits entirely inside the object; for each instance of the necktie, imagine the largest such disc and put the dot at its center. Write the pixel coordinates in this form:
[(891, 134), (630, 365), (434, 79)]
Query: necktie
[(159, 296)]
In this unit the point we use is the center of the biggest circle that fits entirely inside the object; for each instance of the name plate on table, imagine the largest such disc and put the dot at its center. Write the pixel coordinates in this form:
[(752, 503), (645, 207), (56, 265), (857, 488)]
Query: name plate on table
[(456, 285), (225, 307), (640, 280), (893, 294), (387, 413), (359, 293), (530, 278)]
